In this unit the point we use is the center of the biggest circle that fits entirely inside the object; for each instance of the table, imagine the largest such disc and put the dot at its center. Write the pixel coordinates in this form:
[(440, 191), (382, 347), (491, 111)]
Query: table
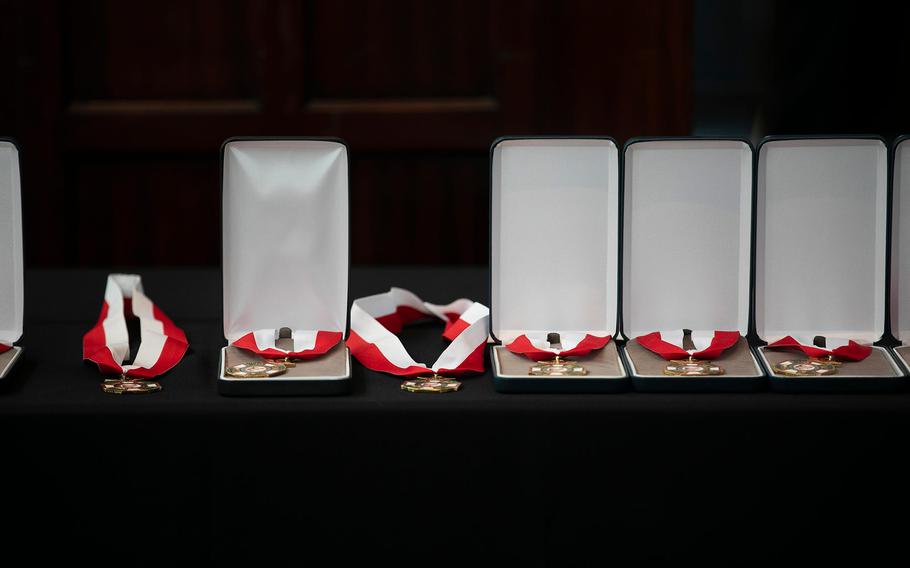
[(531, 480)]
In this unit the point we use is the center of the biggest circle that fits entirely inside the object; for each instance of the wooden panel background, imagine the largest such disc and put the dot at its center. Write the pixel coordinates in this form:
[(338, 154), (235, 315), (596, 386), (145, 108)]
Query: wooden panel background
[(120, 109)]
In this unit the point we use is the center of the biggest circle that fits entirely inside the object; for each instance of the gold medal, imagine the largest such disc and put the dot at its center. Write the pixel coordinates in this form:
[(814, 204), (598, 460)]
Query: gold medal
[(808, 368), (692, 368), (126, 385), (261, 370), (287, 362), (829, 360), (557, 367), (436, 383)]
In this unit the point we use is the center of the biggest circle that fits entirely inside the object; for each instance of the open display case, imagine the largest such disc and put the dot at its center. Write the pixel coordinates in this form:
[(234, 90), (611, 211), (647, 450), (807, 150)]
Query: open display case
[(554, 257), (11, 269), (821, 231), (687, 257), (285, 260)]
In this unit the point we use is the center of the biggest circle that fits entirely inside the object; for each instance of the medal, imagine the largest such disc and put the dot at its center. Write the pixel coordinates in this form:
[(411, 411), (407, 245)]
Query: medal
[(539, 346), (126, 385), (258, 370), (376, 319), (806, 368), (287, 362), (690, 363), (692, 368), (557, 367), (436, 384)]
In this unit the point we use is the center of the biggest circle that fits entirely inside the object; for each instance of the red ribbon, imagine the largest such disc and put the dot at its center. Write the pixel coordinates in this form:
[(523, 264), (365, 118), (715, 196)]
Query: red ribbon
[(853, 351), (523, 346), (721, 341), (325, 340), (99, 348), (375, 320)]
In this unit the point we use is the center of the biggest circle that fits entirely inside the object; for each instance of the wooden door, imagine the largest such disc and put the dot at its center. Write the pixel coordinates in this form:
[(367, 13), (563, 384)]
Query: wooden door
[(121, 107)]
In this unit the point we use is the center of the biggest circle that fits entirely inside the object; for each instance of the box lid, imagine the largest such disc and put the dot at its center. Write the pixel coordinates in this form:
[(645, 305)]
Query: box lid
[(554, 235), (686, 235), (11, 269), (821, 216), (900, 240), (285, 235)]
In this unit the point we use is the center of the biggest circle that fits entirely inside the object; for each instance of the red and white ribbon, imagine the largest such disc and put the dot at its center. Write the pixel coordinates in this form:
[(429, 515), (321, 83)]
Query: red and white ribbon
[(376, 319), (841, 348), (535, 345), (162, 346), (307, 344), (708, 344)]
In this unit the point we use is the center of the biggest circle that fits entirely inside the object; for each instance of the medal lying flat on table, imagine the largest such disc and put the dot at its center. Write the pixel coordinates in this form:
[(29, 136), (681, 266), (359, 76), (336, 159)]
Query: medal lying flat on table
[(807, 368), (557, 367), (436, 383), (692, 368), (261, 370), (126, 385)]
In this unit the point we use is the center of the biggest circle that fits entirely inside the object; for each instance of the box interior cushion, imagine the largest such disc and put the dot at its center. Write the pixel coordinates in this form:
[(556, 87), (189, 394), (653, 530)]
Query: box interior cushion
[(686, 235), (820, 239), (601, 363), (900, 243), (11, 269), (332, 364), (736, 361), (877, 364), (554, 240)]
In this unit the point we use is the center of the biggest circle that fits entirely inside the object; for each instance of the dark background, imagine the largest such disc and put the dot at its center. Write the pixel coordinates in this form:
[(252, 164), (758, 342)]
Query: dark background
[(120, 107)]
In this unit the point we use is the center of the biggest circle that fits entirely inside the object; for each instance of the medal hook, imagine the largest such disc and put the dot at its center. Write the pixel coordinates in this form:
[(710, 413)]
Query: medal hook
[(555, 342), (688, 344), (284, 340)]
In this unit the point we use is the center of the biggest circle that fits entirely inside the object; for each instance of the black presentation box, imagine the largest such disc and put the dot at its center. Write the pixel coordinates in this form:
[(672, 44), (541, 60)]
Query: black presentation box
[(900, 250), (11, 268), (686, 257), (821, 255), (285, 258), (554, 247)]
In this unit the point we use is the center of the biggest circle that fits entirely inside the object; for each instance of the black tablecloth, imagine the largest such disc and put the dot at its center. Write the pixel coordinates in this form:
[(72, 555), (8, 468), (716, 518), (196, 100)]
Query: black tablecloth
[(188, 475)]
